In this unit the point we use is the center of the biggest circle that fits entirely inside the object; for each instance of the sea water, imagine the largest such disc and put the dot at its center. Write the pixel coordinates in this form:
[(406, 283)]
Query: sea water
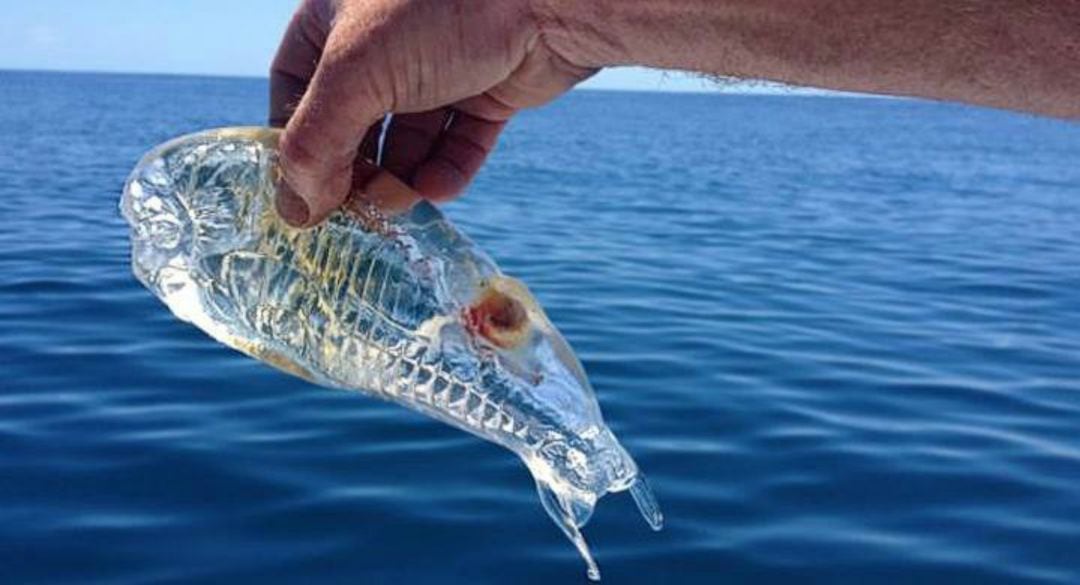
[(842, 335)]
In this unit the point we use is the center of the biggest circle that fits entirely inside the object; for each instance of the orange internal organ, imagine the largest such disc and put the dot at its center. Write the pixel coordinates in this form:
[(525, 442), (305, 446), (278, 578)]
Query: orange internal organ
[(499, 318)]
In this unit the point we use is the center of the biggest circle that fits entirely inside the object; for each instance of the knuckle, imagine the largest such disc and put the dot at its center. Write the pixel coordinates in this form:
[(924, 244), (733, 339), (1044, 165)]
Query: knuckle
[(297, 155)]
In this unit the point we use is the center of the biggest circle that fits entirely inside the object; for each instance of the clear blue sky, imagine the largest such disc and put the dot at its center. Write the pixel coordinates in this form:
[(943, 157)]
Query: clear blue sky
[(217, 37)]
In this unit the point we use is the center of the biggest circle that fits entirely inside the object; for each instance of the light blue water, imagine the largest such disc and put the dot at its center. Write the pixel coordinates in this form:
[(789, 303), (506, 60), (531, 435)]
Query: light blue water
[(841, 336)]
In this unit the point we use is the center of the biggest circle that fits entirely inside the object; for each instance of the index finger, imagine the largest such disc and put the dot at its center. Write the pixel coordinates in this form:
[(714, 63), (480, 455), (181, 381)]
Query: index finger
[(321, 140)]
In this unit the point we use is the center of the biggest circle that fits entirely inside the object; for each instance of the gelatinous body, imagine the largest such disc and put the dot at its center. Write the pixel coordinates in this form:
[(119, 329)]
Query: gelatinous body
[(404, 308)]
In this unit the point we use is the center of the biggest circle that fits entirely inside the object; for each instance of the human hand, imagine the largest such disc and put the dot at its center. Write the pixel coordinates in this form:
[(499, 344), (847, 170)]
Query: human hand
[(452, 73)]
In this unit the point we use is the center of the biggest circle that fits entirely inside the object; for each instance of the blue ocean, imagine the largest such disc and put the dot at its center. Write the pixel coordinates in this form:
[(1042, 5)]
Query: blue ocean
[(842, 337)]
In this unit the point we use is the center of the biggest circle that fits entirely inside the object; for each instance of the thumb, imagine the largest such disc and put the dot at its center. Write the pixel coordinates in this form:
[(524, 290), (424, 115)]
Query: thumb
[(319, 145)]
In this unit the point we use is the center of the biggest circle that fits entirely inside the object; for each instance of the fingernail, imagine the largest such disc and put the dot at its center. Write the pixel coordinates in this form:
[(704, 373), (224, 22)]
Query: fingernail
[(291, 207)]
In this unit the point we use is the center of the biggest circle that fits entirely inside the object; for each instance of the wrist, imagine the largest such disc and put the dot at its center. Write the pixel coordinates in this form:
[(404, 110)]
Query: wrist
[(587, 34)]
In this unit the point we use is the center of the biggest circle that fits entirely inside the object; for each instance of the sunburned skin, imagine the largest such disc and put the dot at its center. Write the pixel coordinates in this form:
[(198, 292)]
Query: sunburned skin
[(401, 307)]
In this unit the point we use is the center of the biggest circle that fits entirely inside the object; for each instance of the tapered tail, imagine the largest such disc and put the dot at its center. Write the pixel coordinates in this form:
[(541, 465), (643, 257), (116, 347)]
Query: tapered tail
[(570, 508), (570, 515), (646, 502)]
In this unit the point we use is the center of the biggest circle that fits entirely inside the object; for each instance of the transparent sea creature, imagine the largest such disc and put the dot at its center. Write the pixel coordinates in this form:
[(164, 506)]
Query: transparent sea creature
[(404, 308)]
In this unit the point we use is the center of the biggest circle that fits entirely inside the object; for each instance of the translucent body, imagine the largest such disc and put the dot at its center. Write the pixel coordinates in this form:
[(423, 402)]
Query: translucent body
[(403, 308)]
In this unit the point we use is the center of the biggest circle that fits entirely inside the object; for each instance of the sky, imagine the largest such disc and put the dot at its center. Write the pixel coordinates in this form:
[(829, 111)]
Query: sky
[(207, 37)]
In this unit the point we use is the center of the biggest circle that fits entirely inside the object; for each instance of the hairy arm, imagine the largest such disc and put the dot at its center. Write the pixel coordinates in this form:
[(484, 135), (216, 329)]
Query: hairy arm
[(453, 72), (1016, 54)]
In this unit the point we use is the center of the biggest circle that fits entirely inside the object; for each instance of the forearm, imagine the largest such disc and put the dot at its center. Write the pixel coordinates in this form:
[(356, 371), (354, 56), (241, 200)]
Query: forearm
[(1019, 54)]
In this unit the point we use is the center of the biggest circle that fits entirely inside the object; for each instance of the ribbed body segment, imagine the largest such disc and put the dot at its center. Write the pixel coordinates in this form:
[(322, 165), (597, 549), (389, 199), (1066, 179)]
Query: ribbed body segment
[(344, 305)]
